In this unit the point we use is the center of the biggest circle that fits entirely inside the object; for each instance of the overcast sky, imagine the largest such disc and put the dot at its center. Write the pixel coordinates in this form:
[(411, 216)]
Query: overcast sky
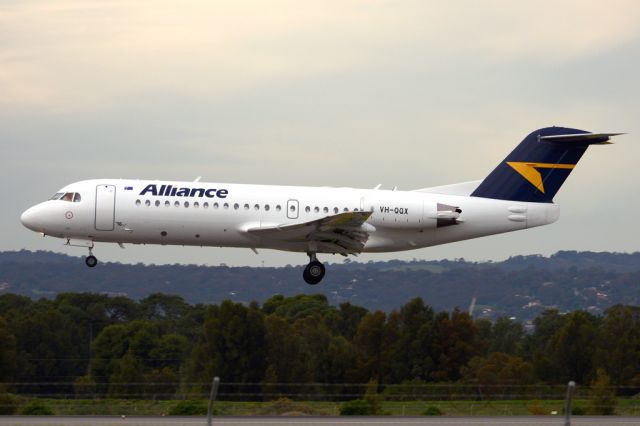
[(341, 93)]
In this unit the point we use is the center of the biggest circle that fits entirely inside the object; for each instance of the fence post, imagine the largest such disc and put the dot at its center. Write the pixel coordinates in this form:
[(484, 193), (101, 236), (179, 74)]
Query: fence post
[(212, 397), (567, 403)]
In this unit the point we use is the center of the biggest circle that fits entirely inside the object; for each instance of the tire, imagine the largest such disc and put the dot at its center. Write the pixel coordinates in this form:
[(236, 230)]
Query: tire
[(313, 273), (91, 261)]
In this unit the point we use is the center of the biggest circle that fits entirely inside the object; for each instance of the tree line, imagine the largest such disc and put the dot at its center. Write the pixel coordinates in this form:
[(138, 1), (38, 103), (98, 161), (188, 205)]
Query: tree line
[(521, 286), (93, 344)]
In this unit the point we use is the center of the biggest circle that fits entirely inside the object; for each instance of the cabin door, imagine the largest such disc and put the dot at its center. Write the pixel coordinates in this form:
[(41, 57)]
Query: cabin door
[(105, 207)]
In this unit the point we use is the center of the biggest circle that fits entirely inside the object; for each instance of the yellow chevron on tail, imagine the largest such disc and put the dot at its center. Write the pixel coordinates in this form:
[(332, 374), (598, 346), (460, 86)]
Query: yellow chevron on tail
[(529, 171)]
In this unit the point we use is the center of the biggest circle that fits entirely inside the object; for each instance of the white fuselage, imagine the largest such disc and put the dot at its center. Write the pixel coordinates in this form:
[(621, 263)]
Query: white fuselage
[(214, 214)]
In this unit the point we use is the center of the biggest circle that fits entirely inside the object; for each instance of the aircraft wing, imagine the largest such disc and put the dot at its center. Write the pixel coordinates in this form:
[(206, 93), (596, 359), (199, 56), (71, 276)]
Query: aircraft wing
[(344, 233)]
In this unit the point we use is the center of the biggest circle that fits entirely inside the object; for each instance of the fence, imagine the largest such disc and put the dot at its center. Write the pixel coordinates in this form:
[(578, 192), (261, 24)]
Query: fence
[(314, 398)]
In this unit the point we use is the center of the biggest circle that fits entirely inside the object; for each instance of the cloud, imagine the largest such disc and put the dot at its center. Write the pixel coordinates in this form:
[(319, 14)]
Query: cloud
[(342, 93), (70, 55)]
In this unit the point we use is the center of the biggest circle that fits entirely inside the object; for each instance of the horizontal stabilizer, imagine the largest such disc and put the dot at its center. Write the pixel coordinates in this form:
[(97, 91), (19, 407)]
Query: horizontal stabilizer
[(581, 138)]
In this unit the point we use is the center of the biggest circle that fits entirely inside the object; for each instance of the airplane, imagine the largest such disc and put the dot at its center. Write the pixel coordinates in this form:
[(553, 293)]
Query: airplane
[(517, 194)]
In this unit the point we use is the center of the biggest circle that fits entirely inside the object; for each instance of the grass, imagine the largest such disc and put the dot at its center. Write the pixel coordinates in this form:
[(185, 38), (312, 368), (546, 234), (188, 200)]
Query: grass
[(117, 407)]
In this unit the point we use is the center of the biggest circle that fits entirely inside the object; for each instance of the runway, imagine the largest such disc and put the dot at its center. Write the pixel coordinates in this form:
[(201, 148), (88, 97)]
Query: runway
[(306, 421)]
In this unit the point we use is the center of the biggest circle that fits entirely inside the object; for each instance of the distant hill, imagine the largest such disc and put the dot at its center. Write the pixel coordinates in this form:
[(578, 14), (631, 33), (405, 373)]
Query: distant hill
[(520, 286)]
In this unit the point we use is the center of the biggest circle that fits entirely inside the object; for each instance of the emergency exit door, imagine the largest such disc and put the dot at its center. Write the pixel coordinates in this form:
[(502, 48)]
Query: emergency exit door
[(292, 209), (105, 207)]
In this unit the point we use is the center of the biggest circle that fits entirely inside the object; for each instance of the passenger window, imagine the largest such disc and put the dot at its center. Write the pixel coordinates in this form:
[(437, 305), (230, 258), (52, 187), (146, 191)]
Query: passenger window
[(266, 207), (157, 203), (215, 205), (147, 203), (246, 206), (257, 207), (335, 210), (345, 209), (307, 209), (138, 202), (226, 206), (205, 205), (77, 198), (186, 204), (196, 205), (278, 208), (326, 209), (236, 206), (177, 204), (316, 209), (167, 203)]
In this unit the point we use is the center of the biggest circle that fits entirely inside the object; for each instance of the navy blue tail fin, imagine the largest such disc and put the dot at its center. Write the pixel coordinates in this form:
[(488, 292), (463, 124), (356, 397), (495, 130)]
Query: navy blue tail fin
[(537, 168)]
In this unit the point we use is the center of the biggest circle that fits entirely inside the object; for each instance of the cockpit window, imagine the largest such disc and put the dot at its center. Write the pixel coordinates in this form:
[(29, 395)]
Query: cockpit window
[(67, 196)]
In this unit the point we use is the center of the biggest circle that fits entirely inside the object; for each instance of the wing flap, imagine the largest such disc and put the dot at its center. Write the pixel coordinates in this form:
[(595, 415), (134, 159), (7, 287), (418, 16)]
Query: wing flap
[(344, 233)]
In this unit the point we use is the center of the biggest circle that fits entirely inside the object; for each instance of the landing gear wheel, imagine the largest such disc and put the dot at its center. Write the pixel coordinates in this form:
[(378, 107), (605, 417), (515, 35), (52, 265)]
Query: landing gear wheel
[(313, 273), (91, 261)]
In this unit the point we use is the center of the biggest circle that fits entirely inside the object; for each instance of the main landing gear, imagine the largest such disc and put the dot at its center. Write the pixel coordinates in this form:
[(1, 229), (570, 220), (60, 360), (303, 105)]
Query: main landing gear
[(91, 260), (314, 271)]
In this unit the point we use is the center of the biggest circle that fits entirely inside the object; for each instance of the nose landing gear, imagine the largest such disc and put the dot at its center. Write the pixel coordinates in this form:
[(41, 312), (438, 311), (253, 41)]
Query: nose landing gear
[(91, 260), (314, 271)]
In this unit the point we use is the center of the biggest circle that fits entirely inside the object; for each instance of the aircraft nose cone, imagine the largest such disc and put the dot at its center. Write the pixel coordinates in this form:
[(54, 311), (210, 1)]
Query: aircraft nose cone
[(28, 219)]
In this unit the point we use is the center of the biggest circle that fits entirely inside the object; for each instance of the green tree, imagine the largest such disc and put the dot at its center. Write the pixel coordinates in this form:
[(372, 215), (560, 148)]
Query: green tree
[(453, 344), (341, 361), (108, 347), (298, 307), (498, 374), (484, 335), (373, 397), (169, 351), (163, 308), (161, 383), (350, 316), (285, 353), (121, 309), (536, 350), (603, 398), (368, 343), (45, 349), (13, 303), (413, 357), (546, 325), (506, 336), (127, 379), (231, 346), (570, 350), (144, 341), (315, 338), (618, 348), (7, 352)]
